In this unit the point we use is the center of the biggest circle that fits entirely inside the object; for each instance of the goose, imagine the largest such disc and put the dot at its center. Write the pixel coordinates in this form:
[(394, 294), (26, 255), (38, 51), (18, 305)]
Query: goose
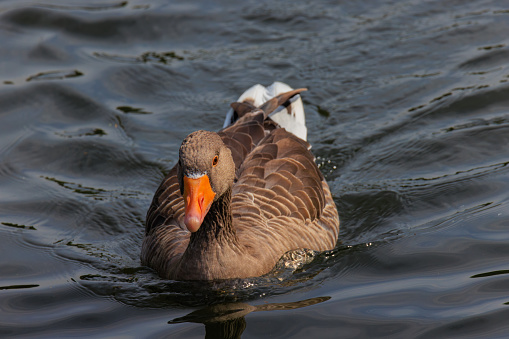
[(239, 199)]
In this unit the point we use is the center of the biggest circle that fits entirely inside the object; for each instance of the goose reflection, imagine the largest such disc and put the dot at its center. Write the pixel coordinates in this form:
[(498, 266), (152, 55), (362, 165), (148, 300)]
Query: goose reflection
[(227, 320)]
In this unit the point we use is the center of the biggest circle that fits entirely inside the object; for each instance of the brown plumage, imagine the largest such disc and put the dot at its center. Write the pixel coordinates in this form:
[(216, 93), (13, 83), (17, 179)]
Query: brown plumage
[(267, 197)]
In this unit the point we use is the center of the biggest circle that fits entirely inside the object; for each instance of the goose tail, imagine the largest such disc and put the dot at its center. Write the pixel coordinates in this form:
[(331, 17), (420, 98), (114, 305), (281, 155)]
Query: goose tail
[(289, 116)]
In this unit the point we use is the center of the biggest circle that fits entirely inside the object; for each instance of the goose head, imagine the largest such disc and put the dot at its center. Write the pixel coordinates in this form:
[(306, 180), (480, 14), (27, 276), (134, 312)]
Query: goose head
[(205, 172)]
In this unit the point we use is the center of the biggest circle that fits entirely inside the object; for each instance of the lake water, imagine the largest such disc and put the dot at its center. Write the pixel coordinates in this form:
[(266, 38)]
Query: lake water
[(407, 112)]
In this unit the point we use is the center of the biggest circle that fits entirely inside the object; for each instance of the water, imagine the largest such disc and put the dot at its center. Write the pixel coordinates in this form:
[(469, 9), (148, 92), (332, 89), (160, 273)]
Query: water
[(408, 114)]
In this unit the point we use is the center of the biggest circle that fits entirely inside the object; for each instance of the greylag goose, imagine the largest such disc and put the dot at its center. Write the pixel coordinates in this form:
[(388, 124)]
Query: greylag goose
[(239, 199)]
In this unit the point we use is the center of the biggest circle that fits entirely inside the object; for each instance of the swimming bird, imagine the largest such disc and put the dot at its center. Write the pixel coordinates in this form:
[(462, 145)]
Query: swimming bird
[(239, 199)]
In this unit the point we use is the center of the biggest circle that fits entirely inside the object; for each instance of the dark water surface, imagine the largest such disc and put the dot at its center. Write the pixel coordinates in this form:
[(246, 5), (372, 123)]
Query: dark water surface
[(408, 114)]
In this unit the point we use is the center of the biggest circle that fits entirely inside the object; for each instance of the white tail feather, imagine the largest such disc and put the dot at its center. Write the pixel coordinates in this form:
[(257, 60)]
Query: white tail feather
[(292, 118)]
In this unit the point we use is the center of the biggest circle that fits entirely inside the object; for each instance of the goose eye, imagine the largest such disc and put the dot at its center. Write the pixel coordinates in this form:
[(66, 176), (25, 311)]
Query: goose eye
[(214, 161)]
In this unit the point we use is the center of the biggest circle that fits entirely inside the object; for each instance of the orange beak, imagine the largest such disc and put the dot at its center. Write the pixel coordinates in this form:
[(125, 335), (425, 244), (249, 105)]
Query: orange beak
[(198, 197)]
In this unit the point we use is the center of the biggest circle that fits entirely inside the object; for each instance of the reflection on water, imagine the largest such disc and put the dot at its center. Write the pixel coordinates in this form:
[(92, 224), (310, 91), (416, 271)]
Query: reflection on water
[(55, 75), (227, 320), (15, 287)]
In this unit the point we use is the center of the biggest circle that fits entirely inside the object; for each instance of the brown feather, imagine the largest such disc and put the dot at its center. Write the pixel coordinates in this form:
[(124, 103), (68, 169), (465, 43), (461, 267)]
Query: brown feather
[(241, 108), (274, 103)]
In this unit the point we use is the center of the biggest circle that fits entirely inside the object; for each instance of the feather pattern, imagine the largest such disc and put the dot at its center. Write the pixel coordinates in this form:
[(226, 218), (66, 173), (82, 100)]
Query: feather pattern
[(278, 202)]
